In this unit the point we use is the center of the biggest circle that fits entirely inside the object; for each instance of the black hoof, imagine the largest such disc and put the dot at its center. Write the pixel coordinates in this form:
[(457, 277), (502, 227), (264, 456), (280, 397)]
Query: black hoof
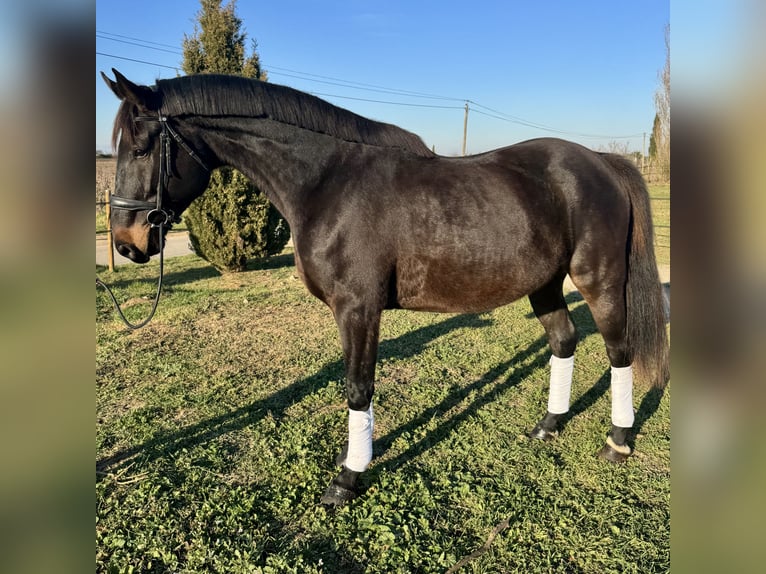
[(548, 427), (342, 489), (336, 495), (541, 433), (614, 452)]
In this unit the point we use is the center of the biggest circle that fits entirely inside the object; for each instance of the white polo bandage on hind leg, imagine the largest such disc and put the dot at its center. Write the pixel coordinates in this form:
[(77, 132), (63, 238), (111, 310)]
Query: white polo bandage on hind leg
[(561, 384), (360, 426), (622, 397)]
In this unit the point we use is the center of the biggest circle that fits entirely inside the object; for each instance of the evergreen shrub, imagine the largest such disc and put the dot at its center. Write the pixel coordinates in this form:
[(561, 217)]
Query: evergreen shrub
[(233, 222)]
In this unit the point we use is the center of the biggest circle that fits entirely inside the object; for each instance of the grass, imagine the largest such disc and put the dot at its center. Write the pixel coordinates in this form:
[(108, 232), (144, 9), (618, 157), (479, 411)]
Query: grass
[(218, 424), (100, 221)]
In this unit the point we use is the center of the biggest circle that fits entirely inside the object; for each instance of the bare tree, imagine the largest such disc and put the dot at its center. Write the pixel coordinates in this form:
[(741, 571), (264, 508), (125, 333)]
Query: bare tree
[(619, 148), (661, 130)]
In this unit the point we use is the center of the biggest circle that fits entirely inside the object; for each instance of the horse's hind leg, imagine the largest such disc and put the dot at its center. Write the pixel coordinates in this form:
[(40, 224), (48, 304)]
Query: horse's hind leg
[(605, 295), (551, 309), (359, 327)]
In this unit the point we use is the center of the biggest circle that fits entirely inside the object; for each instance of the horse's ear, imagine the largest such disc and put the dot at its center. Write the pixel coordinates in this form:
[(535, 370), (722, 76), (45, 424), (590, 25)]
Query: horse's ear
[(124, 89), (112, 84)]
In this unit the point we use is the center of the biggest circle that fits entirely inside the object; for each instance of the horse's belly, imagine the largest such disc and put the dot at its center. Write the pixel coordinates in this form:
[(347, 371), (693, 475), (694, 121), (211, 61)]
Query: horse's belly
[(442, 285)]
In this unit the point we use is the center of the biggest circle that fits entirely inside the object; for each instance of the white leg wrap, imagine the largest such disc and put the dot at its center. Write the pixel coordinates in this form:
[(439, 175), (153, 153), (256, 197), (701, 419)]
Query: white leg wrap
[(561, 384), (622, 397), (360, 426)]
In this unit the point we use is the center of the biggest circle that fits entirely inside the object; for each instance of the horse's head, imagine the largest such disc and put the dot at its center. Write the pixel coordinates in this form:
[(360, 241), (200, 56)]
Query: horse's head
[(158, 173)]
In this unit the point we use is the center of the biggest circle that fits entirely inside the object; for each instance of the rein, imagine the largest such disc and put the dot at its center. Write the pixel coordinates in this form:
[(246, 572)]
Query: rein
[(156, 216)]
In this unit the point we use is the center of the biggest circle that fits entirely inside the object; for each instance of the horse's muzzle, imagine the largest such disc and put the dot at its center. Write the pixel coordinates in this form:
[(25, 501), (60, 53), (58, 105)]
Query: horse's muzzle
[(131, 252)]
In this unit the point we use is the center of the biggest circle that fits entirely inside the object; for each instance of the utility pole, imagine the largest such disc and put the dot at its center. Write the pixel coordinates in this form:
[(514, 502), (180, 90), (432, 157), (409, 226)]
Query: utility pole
[(465, 127)]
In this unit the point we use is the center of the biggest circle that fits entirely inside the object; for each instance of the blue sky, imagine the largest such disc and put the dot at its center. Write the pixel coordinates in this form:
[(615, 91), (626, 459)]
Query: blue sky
[(583, 68)]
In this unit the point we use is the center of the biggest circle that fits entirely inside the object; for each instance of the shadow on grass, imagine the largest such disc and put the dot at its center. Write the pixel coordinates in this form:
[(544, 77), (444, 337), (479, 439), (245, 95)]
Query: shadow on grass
[(273, 262), (583, 320), (486, 386), (204, 271), (651, 400), (405, 346), (486, 389)]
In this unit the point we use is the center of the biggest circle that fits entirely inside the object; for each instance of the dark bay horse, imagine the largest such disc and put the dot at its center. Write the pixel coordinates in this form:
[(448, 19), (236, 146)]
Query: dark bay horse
[(380, 222)]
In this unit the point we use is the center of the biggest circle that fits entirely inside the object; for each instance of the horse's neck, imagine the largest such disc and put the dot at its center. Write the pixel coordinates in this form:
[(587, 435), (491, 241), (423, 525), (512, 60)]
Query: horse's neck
[(285, 162)]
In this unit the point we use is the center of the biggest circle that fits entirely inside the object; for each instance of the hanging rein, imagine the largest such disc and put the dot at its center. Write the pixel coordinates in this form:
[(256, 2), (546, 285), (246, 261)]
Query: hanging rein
[(156, 216)]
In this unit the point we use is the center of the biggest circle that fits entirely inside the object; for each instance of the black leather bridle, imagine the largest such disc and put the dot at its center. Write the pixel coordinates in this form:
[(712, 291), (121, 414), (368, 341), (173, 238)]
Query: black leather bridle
[(156, 216)]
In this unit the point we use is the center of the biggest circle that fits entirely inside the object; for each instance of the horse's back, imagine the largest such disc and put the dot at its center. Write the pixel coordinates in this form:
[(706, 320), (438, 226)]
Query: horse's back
[(476, 233)]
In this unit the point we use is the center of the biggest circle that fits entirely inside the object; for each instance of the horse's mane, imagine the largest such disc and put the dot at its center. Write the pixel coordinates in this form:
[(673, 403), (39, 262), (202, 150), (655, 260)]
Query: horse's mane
[(220, 95)]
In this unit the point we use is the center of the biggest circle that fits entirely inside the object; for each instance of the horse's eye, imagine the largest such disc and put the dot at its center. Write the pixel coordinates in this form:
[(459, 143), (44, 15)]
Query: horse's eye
[(139, 153)]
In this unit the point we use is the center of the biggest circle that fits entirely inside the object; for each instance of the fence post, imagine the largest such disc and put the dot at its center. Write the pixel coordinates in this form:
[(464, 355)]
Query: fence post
[(109, 244)]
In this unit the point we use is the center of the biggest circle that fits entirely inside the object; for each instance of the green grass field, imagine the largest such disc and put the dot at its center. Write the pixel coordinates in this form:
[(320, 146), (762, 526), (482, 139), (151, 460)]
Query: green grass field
[(100, 222), (218, 424), (660, 195)]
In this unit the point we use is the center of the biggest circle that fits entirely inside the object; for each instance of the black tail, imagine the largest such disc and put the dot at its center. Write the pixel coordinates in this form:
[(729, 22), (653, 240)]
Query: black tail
[(646, 334)]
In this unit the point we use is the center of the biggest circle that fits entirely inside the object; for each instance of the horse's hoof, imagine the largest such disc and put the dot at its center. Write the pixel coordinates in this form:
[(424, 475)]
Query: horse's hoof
[(336, 495), (614, 452), (541, 433)]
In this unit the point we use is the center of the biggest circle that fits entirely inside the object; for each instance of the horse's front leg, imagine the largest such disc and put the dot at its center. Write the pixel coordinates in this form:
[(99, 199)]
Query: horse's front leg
[(359, 328)]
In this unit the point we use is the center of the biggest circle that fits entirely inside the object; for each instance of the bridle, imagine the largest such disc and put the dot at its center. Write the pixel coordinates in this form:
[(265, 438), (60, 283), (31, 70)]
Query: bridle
[(156, 216)]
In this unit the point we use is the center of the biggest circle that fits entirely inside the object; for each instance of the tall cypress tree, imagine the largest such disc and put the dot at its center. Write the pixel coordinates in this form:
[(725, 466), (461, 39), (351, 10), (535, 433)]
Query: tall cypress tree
[(654, 137), (232, 221)]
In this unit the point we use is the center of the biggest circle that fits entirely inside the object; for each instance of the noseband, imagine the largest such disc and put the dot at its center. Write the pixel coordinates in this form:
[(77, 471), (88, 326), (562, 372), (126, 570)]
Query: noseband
[(156, 216)]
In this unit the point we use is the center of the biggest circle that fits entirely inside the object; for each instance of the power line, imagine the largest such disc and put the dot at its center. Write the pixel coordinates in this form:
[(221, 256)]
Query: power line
[(554, 130), (275, 70), (387, 102), (510, 117), (176, 68), (381, 90), (522, 121), (287, 72), (313, 93), (136, 39), (329, 80), (141, 45), (363, 84)]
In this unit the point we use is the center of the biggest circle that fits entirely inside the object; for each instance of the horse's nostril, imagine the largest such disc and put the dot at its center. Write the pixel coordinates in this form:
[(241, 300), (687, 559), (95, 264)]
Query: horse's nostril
[(131, 252)]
